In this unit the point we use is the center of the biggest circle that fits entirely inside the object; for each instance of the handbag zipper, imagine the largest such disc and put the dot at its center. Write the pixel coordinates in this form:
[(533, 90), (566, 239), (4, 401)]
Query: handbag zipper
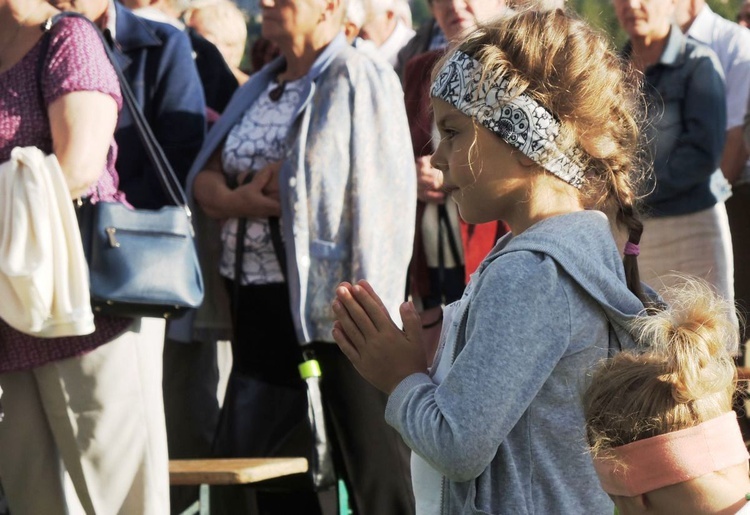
[(112, 234)]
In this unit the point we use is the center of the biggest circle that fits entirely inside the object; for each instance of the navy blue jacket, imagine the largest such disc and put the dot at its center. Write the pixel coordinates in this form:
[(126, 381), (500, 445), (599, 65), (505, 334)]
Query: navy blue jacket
[(687, 129), (157, 61)]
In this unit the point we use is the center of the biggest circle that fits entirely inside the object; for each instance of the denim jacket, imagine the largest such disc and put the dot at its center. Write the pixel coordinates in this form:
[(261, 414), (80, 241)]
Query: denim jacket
[(347, 186), (686, 134)]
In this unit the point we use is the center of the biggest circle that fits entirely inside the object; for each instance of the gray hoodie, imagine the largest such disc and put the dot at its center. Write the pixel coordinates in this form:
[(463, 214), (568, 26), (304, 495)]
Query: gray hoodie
[(505, 426)]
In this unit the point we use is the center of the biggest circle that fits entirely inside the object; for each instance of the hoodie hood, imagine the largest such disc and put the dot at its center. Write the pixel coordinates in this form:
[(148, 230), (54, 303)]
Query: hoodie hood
[(583, 245)]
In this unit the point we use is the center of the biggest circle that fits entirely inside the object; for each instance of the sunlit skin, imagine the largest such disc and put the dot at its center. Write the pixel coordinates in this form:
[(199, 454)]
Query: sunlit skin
[(489, 180), (454, 17), (292, 23), (380, 351), (457, 16), (95, 10), (645, 21), (743, 16), (379, 27), (482, 174)]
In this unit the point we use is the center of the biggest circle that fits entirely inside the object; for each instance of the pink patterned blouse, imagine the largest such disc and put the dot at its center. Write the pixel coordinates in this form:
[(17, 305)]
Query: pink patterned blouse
[(75, 61)]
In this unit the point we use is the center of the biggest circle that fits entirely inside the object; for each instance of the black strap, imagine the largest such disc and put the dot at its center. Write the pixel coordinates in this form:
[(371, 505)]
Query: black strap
[(274, 224), (444, 224), (43, 49), (445, 221), (239, 252), (169, 181)]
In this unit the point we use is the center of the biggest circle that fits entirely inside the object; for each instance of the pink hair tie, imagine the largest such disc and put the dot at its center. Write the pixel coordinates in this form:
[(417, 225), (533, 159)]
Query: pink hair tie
[(671, 458), (632, 249)]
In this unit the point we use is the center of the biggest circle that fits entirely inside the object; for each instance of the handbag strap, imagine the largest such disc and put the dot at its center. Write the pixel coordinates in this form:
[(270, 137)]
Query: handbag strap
[(239, 253), (239, 250), (169, 181), (444, 221), (444, 224), (274, 225)]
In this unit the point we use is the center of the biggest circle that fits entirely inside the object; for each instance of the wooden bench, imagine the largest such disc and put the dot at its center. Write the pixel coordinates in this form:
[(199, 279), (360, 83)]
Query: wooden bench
[(235, 471)]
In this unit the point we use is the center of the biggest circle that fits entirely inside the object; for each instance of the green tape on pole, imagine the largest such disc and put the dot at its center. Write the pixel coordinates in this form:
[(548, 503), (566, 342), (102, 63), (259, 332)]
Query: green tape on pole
[(344, 508), (310, 368)]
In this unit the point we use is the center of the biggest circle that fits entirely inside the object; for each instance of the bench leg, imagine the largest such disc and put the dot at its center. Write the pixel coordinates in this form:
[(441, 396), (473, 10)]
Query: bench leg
[(204, 499), (193, 509), (202, 506)]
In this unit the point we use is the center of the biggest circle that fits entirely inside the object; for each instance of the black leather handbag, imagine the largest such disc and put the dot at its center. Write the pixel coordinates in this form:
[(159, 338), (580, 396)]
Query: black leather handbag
[(141, 262)]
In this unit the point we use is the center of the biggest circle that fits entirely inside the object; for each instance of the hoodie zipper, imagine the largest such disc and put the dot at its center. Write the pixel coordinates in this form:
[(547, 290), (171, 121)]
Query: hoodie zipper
[(459, 331), (454, 353), (442, 496)]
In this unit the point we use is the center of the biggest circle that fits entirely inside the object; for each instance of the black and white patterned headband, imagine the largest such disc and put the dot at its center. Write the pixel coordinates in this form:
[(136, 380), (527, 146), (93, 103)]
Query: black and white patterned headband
[(518, 119)]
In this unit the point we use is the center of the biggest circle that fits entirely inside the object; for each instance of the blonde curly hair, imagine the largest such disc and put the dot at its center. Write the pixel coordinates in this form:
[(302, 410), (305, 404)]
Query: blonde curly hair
[(681, 375)]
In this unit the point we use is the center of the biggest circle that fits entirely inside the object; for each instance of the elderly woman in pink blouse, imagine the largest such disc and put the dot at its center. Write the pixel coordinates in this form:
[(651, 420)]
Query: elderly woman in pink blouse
[(89, 404)]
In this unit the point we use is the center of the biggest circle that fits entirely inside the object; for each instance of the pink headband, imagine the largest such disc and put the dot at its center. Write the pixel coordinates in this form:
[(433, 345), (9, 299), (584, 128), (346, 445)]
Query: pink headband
[(672, 458)]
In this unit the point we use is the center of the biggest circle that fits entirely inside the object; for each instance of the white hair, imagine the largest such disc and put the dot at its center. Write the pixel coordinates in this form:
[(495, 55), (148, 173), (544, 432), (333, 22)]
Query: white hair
[(375, 7), (403, 11), (356, 13)]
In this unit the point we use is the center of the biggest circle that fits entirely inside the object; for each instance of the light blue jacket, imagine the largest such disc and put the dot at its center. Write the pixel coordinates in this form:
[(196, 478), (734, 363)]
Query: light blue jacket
[(505, 427), (347, 185)]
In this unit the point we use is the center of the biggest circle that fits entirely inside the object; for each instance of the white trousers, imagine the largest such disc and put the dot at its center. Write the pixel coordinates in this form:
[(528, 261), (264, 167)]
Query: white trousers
[(697, 244), (100, 417)]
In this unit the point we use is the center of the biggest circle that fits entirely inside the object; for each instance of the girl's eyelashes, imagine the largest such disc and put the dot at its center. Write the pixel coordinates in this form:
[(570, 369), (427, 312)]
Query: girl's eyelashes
[(448, 133)]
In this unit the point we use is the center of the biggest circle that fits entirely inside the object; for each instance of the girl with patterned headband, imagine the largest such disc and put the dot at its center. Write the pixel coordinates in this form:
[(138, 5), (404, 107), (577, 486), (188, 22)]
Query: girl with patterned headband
[(537, 126), (659, 420)]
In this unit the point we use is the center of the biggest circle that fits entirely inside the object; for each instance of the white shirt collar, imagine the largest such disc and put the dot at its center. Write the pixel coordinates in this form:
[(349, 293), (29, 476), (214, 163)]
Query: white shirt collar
[(112, 19), (399, 37), (155, 14), (702, 26)]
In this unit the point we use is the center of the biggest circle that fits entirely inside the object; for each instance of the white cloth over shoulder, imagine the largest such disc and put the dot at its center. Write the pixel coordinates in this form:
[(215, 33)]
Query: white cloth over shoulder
[(44, 283)]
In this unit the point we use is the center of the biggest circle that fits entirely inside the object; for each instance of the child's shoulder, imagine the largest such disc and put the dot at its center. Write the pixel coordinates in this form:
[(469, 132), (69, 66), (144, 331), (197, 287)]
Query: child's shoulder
[(519, 271)]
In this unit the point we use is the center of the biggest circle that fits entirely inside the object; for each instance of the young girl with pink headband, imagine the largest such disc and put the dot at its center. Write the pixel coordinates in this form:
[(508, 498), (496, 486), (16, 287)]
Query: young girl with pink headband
[(538, 128), (659, 419)]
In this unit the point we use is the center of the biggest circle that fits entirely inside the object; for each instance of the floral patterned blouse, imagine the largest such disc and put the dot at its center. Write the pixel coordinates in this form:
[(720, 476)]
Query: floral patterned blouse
[(74, 61)]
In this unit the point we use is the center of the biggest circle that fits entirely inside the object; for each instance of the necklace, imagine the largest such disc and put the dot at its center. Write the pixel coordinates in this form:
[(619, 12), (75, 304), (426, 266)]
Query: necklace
[(275, 93)]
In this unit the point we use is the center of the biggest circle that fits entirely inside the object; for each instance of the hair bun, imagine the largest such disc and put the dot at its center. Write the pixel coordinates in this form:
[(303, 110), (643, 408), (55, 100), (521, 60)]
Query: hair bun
[(694, 338), (681, 375)]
